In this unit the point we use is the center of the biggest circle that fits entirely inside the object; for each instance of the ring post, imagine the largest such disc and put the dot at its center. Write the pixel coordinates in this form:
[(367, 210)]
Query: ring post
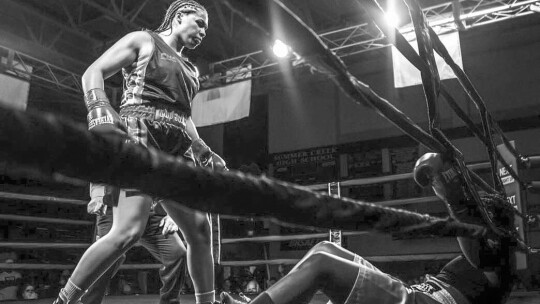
[(514, 197), (335, 235)]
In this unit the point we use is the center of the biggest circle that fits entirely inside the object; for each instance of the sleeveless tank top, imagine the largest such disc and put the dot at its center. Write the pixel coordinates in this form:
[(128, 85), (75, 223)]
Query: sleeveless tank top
[(160, 78)]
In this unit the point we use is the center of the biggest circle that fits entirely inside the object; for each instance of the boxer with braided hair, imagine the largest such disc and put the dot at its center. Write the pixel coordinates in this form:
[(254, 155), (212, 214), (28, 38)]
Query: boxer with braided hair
[(184, 6), (155, 111)]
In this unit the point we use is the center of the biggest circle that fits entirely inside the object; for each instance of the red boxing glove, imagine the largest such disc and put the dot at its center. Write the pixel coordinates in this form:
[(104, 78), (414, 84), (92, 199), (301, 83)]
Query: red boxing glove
[(101, 116)]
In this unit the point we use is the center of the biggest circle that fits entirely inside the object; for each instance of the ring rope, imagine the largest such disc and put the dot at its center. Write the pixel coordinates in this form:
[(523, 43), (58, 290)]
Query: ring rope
[(41, 199), (431, 86), (410, 54), (489, 123), (431, 83), (73, 151), (28, 266), (280, 238), (42, 245), (24, 218), (317, 55), (376, 259), (387, 178)]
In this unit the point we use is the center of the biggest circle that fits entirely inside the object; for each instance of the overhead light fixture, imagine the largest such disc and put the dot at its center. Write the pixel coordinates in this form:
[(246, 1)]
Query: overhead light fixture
[(391, 15), (280, 49)]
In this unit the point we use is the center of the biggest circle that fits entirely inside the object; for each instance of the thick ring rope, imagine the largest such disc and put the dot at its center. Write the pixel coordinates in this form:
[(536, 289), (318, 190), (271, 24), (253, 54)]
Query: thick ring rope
[(51, 145), (406, 49), (431, 84), (308, 45)]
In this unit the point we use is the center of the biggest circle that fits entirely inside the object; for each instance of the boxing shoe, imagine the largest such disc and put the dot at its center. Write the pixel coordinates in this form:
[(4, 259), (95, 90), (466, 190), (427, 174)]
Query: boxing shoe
[(226, 298), (61, 299)]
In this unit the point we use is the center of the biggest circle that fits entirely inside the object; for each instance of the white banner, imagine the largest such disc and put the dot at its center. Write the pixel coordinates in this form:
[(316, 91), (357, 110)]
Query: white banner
[(14, 91), (223, 104), (405, 74)]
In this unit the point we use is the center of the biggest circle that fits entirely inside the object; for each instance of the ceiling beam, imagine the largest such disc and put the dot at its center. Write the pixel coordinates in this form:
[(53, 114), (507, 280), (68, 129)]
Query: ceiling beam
[(107, 11), (43, 73), (484, 12), (40, 52), (20, 6)]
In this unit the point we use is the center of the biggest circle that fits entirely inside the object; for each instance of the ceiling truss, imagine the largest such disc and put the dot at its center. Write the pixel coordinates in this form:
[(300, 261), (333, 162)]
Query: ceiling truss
[(365, 37), (44, 34), (39, 72)]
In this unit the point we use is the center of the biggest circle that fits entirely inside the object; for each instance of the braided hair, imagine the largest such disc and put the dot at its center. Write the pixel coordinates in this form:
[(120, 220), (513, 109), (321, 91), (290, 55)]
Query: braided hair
[(185, 6)]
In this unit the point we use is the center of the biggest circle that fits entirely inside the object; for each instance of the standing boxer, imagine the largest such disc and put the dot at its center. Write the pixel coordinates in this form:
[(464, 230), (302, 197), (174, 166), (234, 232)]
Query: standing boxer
[(159, 85)]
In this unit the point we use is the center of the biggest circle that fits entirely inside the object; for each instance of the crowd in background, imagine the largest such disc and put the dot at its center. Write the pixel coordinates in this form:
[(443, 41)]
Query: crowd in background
[(15, 284)]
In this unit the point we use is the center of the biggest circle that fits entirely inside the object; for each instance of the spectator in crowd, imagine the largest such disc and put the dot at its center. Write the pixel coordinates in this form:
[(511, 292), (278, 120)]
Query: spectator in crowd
[(252, 287), (29, 292), (226, 285), (64, 277), (9, 283)]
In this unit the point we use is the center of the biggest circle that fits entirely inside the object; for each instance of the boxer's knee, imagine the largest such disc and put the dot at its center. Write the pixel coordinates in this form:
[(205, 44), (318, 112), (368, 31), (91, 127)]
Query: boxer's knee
[(125, 238), (199, 235), (325, 246)]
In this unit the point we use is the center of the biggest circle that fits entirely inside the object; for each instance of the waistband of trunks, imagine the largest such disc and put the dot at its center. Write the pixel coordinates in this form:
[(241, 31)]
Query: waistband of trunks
[(456, 294), (159, 114)]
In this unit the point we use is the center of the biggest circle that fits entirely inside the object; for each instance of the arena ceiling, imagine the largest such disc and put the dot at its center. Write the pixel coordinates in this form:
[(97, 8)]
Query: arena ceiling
[(67, 35), (79, 30)]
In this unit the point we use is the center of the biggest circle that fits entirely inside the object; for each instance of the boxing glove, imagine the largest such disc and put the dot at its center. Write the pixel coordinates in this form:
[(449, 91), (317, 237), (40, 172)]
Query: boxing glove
[(448, 184), (426, 168), (205, 157), (102, 118)]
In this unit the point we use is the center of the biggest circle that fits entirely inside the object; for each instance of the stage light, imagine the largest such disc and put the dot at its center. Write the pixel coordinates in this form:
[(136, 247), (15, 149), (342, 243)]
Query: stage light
[(392, 18), (535, 7), (391, 15), (280, 49)]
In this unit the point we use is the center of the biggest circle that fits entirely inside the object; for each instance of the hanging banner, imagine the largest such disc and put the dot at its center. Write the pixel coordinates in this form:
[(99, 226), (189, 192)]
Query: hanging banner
[(220, 105), (14, 91), (224, 104), (405, 74)]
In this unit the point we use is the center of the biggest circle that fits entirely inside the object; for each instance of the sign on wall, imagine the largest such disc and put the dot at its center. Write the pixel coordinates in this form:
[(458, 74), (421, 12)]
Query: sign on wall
[(364, 164), (306, 166), (402, 161)]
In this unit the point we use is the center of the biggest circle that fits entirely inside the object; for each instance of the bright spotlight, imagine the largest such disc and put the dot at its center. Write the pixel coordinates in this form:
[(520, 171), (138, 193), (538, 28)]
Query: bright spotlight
[(392, 18), (391, 15), (280, 49)]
